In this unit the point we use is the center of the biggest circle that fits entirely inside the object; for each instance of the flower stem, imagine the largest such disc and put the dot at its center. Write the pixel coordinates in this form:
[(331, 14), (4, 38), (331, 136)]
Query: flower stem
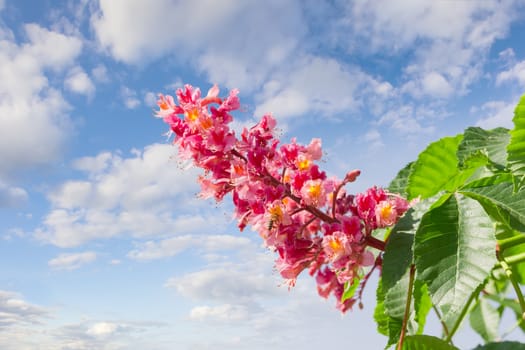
[(407, 307), (373, 242)]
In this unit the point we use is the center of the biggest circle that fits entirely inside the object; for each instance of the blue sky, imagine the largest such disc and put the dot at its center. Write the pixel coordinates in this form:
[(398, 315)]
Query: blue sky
[(103, 244)]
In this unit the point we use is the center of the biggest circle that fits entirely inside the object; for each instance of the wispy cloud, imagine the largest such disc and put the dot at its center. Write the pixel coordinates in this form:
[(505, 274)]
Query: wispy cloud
[(72, 261), (169, 247)]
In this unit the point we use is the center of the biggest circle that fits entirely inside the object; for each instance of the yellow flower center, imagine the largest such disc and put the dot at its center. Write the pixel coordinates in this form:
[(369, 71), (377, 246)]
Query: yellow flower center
[(192, 115), (303, 164), (315, 190), (336, 245), (163, 105), (386, 211)]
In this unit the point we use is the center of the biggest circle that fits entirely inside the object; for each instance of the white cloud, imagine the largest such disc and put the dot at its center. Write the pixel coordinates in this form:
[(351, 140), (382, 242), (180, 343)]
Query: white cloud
[(86, 335), (144, 195), (16, 311), (515, 73), (102, 329), (52, 49), (79, 82), (11, 196), (33, 115), (94, 165), (408, 119), (374, 139), (221, 313), (100, 73), (496, 114), (235, 284), (455, 51), (435, 84), (72, 261), (130, 97), (317, 85), (172, 246), (131, 32), (150, 99)]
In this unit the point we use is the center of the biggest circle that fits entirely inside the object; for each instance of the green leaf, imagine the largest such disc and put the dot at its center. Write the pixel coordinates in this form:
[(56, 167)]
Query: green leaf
[(380, 316), (396, 297), (398, 254), (386, 325), (490, 180), (505, 345), (479, 146), (501, 195), (484, 319), (350, 288), (400, 182), (454, 252), (397, 259), (516, 147), (436, 169), (422, 305), (426, 342), (398, 251)]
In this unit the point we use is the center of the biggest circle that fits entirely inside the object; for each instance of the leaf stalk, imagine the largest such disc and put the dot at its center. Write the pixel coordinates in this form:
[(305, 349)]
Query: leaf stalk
[(407, 307), (511, 242), (462, 315), (515, 285)]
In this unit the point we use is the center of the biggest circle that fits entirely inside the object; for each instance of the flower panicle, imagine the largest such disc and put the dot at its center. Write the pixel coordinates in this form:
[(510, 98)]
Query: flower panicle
[(307, 218)]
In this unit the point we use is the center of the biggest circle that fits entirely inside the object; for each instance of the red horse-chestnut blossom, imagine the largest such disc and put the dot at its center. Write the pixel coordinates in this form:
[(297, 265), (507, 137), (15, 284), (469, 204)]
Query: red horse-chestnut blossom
[(279, 190)]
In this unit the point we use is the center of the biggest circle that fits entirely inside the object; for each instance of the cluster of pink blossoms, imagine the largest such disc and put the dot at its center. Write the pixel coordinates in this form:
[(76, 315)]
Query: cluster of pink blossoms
[(279, 190)]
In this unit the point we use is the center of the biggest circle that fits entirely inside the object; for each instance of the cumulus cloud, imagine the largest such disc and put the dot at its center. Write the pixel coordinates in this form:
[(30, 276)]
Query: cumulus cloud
[(131, 40), (144, 195), (33, 115), (71, 261), (315, 85), (79, 82), (443, 58), (88, 335), (224, 285), (131, 32)]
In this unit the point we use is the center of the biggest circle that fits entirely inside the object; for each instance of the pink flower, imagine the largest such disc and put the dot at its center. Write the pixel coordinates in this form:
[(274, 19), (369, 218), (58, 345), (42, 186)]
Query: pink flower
[(336, 246), (386, 213), (313, 193)]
